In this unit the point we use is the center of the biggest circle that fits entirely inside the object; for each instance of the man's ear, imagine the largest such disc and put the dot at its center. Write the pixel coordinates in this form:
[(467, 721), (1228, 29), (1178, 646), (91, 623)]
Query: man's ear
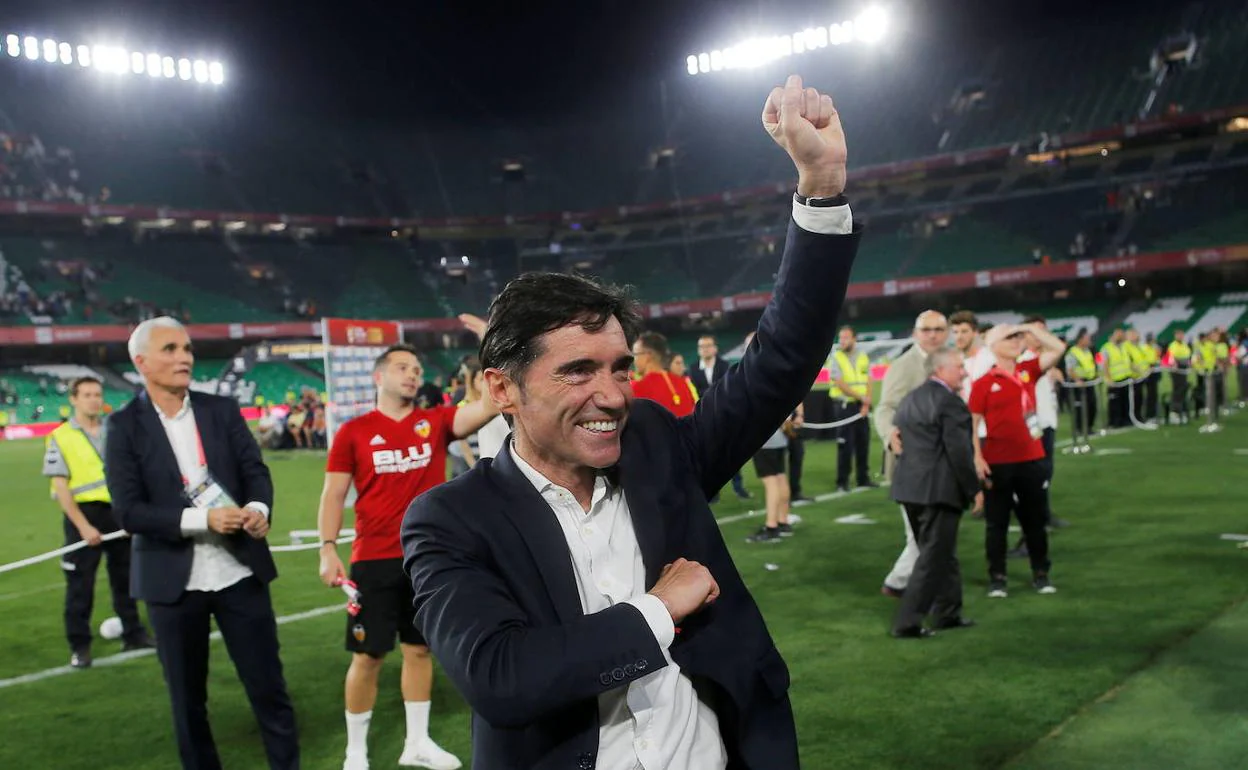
[(500, 389)]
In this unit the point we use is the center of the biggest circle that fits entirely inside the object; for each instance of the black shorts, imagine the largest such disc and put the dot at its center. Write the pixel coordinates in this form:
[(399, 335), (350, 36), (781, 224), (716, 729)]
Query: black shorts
[(769, 462), (386, 608)]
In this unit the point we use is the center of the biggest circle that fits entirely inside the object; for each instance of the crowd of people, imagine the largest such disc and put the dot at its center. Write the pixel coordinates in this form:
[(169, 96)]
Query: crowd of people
[(29, 171)]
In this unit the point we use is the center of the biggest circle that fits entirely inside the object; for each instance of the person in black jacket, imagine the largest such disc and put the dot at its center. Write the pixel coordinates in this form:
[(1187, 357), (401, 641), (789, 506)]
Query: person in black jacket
[(551, 582), (935, 481), (189, 483), (711, 369)]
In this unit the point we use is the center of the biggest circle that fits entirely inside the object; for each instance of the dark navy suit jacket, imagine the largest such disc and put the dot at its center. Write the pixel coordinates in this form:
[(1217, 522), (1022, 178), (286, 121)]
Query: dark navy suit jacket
[(495, 590), (148, 494)]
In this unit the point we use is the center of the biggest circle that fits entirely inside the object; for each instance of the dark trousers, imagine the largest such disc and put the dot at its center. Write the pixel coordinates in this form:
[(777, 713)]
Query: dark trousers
[(1117, 397), (1179, 387), (853, 444), (936, 582), (80, 569), (1024, 481), (244, 614), (797, 456), (1084, 400), (1150, 395)]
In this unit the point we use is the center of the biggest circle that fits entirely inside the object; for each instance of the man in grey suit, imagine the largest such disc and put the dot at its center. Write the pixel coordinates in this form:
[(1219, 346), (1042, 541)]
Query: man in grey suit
[(931, 332), (935, 481)]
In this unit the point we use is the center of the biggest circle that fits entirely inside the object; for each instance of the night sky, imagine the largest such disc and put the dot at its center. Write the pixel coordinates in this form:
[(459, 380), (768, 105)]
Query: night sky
[(473, 62)]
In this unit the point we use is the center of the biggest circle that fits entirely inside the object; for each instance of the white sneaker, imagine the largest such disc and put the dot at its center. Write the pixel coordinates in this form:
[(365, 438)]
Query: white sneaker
[(355, 762), (427, 754)]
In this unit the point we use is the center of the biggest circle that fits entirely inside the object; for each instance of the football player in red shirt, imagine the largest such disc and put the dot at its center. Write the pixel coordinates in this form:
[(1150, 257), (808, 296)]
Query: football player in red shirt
[(650, 354), (392, 455), (1009, 459)]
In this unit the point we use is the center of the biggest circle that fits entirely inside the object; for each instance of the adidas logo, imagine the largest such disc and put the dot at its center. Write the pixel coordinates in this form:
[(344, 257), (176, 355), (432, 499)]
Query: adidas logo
[(377, 440), (995, 388)]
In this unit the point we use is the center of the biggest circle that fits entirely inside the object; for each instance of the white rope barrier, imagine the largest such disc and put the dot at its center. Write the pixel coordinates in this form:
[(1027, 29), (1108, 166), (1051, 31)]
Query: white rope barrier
[(307, 546), (59, 552), (837, 424)]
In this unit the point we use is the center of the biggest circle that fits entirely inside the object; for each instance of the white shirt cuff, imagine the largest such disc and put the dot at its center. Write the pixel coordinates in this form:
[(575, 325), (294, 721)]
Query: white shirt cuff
[(258, 506), (657, 617), (832, 220), (194, 521)]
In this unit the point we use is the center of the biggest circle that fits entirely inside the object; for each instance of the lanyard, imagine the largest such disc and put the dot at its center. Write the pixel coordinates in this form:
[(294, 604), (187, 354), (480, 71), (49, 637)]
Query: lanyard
[(668, 381), (203, 461)]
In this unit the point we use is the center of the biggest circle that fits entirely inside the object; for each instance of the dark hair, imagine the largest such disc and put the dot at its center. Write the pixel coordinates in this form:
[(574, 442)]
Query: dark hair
[(1035, 319), (401, 347), (710, 337), (964, 317), (985, 327), (80, 381), (657, 344), (534, 304), (469, 367)]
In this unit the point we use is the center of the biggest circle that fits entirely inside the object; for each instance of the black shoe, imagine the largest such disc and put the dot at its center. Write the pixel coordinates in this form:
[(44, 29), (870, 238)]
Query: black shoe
[(842, 488), (997, 589), (786, 529), (913, 632), (744, 494), (1042, 585), (765, 535), (945, 625), (80, 658), (141, 642)]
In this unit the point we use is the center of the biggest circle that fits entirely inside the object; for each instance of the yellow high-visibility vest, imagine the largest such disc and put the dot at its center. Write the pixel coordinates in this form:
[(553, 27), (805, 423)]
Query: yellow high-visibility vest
[(1135, 357), (1116, 362), (1206, 357), (1085, 363), (1223, 351), (857, 376), (86, 467), (1152, 354), (1180, 353)]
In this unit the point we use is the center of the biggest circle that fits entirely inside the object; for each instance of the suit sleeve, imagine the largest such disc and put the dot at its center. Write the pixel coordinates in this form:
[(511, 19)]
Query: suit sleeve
[(257, 483), (891, 393), (511, 672), (742, 409), (124, 474), (955, 434)]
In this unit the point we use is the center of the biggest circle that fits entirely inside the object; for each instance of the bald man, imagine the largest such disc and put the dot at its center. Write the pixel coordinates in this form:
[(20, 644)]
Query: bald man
[(909, 371)]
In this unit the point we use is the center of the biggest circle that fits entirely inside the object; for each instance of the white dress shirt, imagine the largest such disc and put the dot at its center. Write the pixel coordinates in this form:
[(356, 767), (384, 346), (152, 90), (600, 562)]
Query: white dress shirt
[(213, 567), (709, 373), (655, 722)]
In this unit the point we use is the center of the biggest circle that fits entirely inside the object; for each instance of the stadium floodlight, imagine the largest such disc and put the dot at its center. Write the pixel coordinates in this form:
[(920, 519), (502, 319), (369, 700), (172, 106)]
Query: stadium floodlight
[(869, 27), (111, 59)]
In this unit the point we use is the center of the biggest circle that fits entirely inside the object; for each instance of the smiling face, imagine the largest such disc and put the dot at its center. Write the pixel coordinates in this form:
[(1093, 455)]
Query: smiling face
[(166, 362), (573, 404)]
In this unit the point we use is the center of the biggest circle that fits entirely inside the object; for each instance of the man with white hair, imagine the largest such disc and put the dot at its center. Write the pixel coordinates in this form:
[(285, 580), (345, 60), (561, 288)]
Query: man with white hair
[(909, 371), (188, 482)]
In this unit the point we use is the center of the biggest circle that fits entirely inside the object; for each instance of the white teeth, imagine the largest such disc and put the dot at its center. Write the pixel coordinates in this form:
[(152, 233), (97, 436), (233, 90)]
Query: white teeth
[(600, 426)]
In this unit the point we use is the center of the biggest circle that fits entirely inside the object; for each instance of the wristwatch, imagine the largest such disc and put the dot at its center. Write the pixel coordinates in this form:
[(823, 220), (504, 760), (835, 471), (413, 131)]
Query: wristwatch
[(821, 203)]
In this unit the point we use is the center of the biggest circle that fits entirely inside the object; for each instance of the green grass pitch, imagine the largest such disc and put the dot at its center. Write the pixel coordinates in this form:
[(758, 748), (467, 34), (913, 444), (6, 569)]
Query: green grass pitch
[(1137, 661)]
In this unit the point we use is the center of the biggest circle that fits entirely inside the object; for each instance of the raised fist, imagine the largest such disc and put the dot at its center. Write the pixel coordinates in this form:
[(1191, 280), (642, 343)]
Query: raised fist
[(806, 125)]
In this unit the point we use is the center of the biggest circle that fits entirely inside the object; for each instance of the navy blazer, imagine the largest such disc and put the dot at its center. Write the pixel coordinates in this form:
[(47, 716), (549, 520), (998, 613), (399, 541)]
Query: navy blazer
[(149, 497), (496, 594), (698, 377), (937, 461)]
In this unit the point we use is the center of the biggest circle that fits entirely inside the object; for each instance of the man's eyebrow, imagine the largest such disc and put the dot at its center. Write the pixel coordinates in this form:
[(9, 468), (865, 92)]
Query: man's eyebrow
[(577, 365), (623, 362)]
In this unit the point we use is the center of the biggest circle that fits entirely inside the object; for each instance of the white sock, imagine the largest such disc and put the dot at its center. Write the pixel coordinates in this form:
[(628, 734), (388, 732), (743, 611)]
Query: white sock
[(357, 732), (417, 720)]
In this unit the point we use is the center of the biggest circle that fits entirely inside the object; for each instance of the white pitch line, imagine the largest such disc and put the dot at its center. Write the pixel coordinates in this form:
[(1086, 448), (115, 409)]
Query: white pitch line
[(122, 657), (31, 592), (818, 499)]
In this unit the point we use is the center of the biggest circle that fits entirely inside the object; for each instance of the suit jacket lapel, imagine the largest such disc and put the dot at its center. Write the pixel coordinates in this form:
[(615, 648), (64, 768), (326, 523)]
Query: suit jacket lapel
[(539, 529), (645, 510)]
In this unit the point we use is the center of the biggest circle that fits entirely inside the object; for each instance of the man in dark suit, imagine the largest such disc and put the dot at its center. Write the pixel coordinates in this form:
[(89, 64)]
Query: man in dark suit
[(935, 481), (710, 370), (179, 466), (577, 590)]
